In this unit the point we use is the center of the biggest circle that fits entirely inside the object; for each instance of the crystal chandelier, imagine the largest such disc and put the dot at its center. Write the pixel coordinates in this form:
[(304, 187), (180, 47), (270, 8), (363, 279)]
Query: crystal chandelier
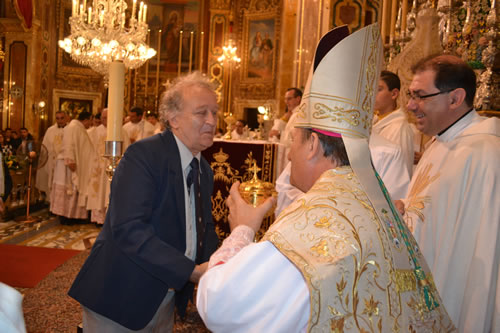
[(102, 33)]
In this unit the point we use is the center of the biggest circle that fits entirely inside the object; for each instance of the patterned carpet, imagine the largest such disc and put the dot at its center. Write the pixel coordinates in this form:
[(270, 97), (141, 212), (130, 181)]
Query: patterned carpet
[(47, 308)]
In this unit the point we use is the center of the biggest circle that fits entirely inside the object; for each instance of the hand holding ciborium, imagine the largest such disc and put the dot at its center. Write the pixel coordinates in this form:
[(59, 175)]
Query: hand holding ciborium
[(256, 191)]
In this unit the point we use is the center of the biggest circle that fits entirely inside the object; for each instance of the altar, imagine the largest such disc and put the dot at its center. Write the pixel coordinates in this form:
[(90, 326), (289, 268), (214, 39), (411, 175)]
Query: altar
[(231, 161)]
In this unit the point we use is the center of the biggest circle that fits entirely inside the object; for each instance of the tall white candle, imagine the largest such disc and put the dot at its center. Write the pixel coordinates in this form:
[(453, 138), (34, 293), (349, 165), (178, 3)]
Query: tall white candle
[(115, 101)]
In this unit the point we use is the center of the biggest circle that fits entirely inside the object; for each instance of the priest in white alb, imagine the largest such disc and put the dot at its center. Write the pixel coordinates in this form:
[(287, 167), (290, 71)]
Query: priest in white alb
[(52, 140), (99, 184), (68, 197), (340, 258), (138, 128), (453, 199)]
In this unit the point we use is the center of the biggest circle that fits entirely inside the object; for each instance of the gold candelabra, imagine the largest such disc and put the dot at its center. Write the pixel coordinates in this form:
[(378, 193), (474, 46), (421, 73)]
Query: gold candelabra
[(229, 59)]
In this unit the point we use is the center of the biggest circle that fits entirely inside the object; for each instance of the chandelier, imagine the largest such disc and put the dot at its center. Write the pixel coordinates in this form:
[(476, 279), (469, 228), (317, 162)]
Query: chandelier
[(229, 54), (103, 33)]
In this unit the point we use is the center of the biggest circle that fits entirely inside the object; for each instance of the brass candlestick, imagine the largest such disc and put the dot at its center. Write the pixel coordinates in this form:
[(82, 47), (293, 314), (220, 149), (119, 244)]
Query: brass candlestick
[(112, 152)]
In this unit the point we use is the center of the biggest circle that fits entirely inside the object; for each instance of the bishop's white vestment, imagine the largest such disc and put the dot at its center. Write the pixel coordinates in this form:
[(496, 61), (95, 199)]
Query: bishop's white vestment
[(140, 130), (327, 264), (453, 207), (396, 128), (99, 184), (68, 195), (52, 140)]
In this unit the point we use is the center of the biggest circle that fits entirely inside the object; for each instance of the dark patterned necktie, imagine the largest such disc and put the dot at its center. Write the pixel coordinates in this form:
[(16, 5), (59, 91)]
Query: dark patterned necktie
[(194, 178)]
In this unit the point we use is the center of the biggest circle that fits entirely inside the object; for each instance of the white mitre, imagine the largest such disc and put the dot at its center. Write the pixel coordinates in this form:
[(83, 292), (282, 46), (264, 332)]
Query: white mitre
[(340, 95)]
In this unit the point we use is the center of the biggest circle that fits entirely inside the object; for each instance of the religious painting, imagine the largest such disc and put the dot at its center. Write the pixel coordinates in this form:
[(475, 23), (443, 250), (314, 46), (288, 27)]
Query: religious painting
[(74, 102), (180, 34), (64, 62), (260, 49), (73, 107)]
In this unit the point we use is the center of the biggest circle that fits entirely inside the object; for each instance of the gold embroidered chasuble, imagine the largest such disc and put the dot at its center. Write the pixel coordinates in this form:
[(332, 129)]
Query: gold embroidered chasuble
[(357, 267)]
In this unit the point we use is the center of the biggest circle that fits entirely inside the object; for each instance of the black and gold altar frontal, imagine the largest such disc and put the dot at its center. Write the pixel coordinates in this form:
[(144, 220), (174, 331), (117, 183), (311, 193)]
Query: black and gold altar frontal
[(234, 161)]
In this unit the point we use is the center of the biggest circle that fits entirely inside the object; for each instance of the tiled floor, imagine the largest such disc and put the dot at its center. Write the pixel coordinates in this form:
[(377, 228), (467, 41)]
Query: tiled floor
[(48, 233)]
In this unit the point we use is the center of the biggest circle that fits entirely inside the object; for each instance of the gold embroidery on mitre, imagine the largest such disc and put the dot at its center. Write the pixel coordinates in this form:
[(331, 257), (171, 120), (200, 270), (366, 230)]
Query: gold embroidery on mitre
[(371, 76), (336, 114)]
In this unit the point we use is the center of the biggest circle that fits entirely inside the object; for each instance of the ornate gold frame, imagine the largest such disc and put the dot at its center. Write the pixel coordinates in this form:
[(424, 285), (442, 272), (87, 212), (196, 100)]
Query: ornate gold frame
[(257, 16)]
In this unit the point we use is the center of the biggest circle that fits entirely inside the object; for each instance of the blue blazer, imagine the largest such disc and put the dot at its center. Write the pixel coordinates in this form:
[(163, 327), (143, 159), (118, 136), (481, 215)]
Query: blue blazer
[(139, 254)]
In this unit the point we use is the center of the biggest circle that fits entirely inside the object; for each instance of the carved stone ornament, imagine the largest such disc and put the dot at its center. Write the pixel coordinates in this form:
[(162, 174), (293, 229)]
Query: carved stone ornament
[(220, 4)]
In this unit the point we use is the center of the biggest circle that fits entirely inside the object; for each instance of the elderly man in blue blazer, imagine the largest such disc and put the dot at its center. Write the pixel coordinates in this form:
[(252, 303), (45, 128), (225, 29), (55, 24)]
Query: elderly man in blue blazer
[(158, 233)]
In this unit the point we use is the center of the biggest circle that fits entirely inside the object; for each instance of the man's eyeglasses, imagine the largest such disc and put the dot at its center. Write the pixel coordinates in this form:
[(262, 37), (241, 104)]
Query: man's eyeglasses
[(418, 98)]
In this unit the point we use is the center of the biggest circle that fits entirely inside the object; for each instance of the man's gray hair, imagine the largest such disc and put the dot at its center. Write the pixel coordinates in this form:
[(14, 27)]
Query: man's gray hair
[(172, 99)]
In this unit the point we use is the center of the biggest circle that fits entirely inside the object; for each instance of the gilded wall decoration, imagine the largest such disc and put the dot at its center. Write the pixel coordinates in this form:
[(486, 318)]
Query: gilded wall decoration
[(257, 91), (220, 4), (355, 13), (218, 27)]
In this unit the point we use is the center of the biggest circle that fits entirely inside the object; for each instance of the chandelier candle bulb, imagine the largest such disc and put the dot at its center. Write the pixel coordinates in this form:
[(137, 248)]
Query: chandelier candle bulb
[(90, 15), (73, 12), (81, 10), (84, 5), (144, 14)]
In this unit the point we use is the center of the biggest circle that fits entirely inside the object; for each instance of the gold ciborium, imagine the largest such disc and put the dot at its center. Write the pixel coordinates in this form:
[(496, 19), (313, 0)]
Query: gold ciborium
[(256, 191)]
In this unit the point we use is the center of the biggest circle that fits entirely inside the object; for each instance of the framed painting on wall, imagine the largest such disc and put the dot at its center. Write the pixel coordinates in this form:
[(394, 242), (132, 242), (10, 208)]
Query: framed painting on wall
[(175, 42), (259, 38), (74, 102), (73, 106)]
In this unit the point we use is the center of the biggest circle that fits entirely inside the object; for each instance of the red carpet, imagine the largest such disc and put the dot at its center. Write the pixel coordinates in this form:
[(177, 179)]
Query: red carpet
[(25, 266)]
